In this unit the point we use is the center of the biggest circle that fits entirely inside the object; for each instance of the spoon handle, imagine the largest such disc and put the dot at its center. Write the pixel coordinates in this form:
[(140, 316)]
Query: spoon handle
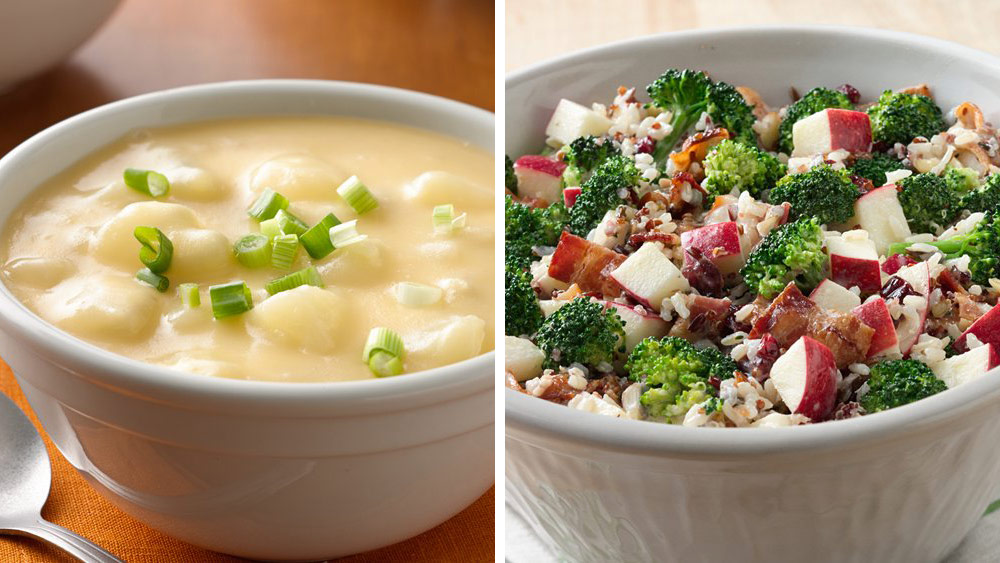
[(73, 544)]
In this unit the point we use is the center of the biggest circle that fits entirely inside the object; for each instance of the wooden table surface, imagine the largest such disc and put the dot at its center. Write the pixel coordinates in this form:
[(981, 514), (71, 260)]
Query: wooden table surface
[(536, 31), (443, 47)]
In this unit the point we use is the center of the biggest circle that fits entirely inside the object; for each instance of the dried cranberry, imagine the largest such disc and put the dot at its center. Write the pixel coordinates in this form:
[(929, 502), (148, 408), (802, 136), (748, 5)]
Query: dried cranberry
[(864, 184), (893, 263), (645, 146), (701, 273), (714, 381), (851, 92), (897, 288), (767, 354), (734, 325)]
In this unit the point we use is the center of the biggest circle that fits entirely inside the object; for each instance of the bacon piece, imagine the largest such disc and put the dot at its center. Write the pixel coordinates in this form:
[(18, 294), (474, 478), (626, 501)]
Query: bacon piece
[(706, 318), (697, 146), (511, 382), (577, 260), (608, 386), (557, 388)]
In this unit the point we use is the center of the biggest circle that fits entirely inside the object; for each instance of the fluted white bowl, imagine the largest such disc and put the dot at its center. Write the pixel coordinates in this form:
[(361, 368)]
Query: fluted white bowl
[(902, 485), (266, 470)]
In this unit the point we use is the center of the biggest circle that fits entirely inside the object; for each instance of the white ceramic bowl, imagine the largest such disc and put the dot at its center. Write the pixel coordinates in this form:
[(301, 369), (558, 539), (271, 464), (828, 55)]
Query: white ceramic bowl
[(39, 33), (258, 469), (902, 485)]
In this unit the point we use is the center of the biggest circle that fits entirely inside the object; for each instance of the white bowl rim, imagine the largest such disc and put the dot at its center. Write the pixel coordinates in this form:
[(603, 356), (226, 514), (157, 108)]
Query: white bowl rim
[(270, 398), (528, 417)]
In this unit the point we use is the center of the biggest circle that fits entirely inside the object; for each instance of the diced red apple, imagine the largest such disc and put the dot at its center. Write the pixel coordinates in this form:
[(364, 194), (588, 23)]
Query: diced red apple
[(893, 263), (577, 260), (875, 313), (910, 327), (832, 129), (880, 213), (835, 297), (539, 177), (571, 120), (719, 242), (854, 261), (638, 325), (963, 368), (986, 329), (806, 378), (570, 194), (649, 276)]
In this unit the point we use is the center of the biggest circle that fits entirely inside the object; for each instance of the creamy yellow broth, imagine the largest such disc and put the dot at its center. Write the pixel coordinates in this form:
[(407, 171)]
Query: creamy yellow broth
[(70, 256)]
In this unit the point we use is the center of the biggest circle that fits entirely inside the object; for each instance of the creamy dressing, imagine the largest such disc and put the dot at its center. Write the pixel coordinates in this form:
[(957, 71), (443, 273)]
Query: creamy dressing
[(68, 252)]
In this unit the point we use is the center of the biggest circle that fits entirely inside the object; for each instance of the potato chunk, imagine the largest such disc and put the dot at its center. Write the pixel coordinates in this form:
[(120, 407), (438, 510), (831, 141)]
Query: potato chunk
[(456, 339), (39, 272), (196, 184), (114, 243), (306, 317), (437, 188), (298, 176), (200, 255), (102, 307), (353, 265)]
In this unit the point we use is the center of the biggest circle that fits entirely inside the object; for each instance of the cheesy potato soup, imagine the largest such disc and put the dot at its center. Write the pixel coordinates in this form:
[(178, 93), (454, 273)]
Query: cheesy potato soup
[(285, 248)]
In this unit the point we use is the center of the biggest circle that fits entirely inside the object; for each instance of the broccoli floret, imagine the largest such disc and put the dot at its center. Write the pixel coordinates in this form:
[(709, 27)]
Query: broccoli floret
[(927, 202), (874, 168), (792, 252), (688, 93), (527, 227), (982, 245), (984, 198), (677, 374), (581, 331), (817, 99), (735, 167), (822, 192), (898, 117), (585, 154), (521, 310), (600, 193), (894, 383), (510, 179), (961, 180)]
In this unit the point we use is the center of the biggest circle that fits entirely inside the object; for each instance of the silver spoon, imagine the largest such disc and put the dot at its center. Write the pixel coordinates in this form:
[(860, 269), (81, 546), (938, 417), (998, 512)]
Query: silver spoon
[(25, 478)]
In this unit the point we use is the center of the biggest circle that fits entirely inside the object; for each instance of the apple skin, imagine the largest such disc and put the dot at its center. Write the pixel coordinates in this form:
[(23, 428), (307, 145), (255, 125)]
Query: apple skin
[(971, 365), (577, 260), (539, 177), (854, 263), (832, 129), (570, 195), (986, 329), (806, 378), (719, 242), (875, 313), (831, 295), (880, 213)]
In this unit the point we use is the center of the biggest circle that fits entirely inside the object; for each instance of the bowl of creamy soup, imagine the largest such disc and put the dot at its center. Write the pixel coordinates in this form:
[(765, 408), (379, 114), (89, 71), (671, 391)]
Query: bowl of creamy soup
[(258, 316)]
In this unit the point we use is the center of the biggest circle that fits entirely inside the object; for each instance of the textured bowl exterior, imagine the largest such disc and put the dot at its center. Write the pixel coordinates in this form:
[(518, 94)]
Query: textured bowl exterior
[(274, 471), (903, 485)]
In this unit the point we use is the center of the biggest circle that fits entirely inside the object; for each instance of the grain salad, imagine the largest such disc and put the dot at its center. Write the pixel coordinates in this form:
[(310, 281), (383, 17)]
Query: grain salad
[(689, 254)]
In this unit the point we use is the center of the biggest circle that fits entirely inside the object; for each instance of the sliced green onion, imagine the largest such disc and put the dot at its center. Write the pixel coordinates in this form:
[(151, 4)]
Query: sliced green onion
[(307, 276), (384, 339), (346, 234), (458, 222), (443, 218), (290, 224), (357, 195), (269, 228), (284, 251), (267, 205), (148, 182), (316, 240), (417, 294), (147, 276), (156, 251), (384, 364), (190, 296), (230, 299), (253, 251)]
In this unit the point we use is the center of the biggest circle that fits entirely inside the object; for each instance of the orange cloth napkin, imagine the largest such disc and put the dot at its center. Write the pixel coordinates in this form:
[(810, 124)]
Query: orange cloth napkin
[(73, 504)]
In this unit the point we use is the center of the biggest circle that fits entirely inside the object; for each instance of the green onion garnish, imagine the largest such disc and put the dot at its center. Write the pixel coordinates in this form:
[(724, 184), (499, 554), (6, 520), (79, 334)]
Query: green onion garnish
[(307, 276), (290, 224), (284, 251), (267, 205), (346, 234), (160, 283), (190, 296), (270, 228), (316, 240), (156, 251), (384, 339), (357, 195), (253, 250), (444, 219), (384, 364), (416, 294), (230, 299), (148, 182)]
